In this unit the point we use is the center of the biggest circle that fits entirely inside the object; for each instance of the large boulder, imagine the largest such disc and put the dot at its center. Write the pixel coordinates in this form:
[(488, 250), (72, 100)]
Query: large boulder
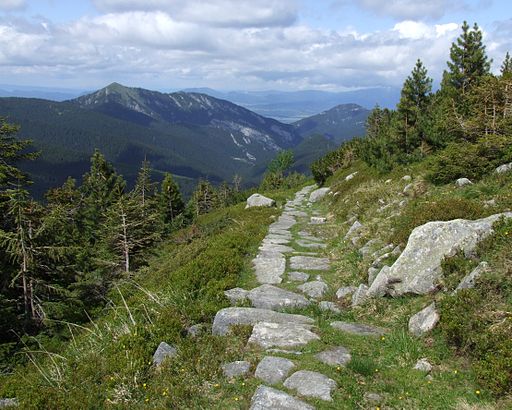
[(259, 200), (418, 268), (318, 194)]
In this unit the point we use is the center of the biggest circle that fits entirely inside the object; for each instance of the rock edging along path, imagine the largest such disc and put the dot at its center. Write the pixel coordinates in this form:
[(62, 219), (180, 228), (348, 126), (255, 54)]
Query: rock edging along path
[(278, 332)]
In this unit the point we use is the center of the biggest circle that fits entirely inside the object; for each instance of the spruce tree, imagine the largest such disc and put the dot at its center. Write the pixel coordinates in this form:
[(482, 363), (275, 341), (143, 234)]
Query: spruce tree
[(144, 188), (413, 101), (204, 198), (468, 60), (170, 201), (506, 66)]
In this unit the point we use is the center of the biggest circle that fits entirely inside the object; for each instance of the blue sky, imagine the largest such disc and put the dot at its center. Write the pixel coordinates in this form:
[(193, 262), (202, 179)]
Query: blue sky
[(237, 44)]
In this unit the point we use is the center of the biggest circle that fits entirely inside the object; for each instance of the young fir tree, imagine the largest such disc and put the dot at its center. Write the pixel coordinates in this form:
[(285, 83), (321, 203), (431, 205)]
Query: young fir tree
[(413, 101), (506, 66), (101, 187), (170, 201), (144, 190), (468, 60), (204, 199)]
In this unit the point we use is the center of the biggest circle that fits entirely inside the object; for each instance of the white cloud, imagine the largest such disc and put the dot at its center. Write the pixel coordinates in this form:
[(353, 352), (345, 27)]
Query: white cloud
[(10, 5), (416, 30), (227, 13)]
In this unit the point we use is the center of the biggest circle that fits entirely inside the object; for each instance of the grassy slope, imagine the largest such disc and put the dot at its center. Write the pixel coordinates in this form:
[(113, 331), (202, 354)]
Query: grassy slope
[(108, 364)]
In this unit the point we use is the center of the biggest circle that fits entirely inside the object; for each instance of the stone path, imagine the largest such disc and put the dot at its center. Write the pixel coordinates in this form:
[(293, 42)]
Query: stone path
[(278, 332)]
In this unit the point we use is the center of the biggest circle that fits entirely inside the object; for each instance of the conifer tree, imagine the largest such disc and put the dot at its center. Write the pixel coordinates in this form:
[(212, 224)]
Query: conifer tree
[(506, 66), (170, 201), (101, 187), (144, 188), (204, 198), (468, 60), (413, 100)]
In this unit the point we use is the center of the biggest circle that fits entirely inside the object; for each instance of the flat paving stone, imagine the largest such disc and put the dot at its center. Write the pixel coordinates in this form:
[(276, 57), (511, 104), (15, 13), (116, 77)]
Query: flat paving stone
[(269, 268), (307, 236), (273, 369), (359, 329), (285, 335), (315, 289), (236, 369), (309, 263), (270, 247), (311, 384), (267, 398), (298, 276), (276, 240), (310, 245), (337, 356), (272, 297), (227, 317)]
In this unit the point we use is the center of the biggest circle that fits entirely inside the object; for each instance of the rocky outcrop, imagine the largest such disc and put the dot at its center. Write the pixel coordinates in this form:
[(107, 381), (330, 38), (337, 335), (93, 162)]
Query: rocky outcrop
[(418, 268), (259, 200)]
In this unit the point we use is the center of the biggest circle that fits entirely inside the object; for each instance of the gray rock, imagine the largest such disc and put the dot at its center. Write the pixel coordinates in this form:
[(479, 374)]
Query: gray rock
[(12, 402), (267, 398), (283, 224), (276, 240), (163, 352), (318, 194), (337, 356), (356, 227), (385, 249), (272, 297), (310, 245), (490, 202), (225, 318), (345, 291), (380, 284), (298, 276), (259, 200), (469, 281), (503, 168), (424, 321), (273, 370), (372, 274), (418, 269), (360, 295), (408, 189), (366, 249), (318, 220), (308, 237), (359, 329), (315, 289), (309, 263), (373, 397), (463, 182), (311, 384), (423, 365), (236, 295), (388, 181), (236, 369), (406, 178), (351, 176), (196, 330), (284, 335), (377, 263), (329, 306), (269, 268), (298, 214)]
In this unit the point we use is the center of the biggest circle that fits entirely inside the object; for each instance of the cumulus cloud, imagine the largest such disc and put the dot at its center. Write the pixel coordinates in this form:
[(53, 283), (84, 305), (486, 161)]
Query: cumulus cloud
[(10, 5), (154, 48), (230, 13)]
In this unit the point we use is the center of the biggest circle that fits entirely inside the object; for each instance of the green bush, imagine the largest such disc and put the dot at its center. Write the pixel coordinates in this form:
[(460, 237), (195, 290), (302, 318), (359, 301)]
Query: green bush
[(335, 160), (464, 159)]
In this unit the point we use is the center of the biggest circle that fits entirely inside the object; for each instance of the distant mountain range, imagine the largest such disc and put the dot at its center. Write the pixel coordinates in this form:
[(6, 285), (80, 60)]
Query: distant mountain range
[(189, 134), (285, 106)]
